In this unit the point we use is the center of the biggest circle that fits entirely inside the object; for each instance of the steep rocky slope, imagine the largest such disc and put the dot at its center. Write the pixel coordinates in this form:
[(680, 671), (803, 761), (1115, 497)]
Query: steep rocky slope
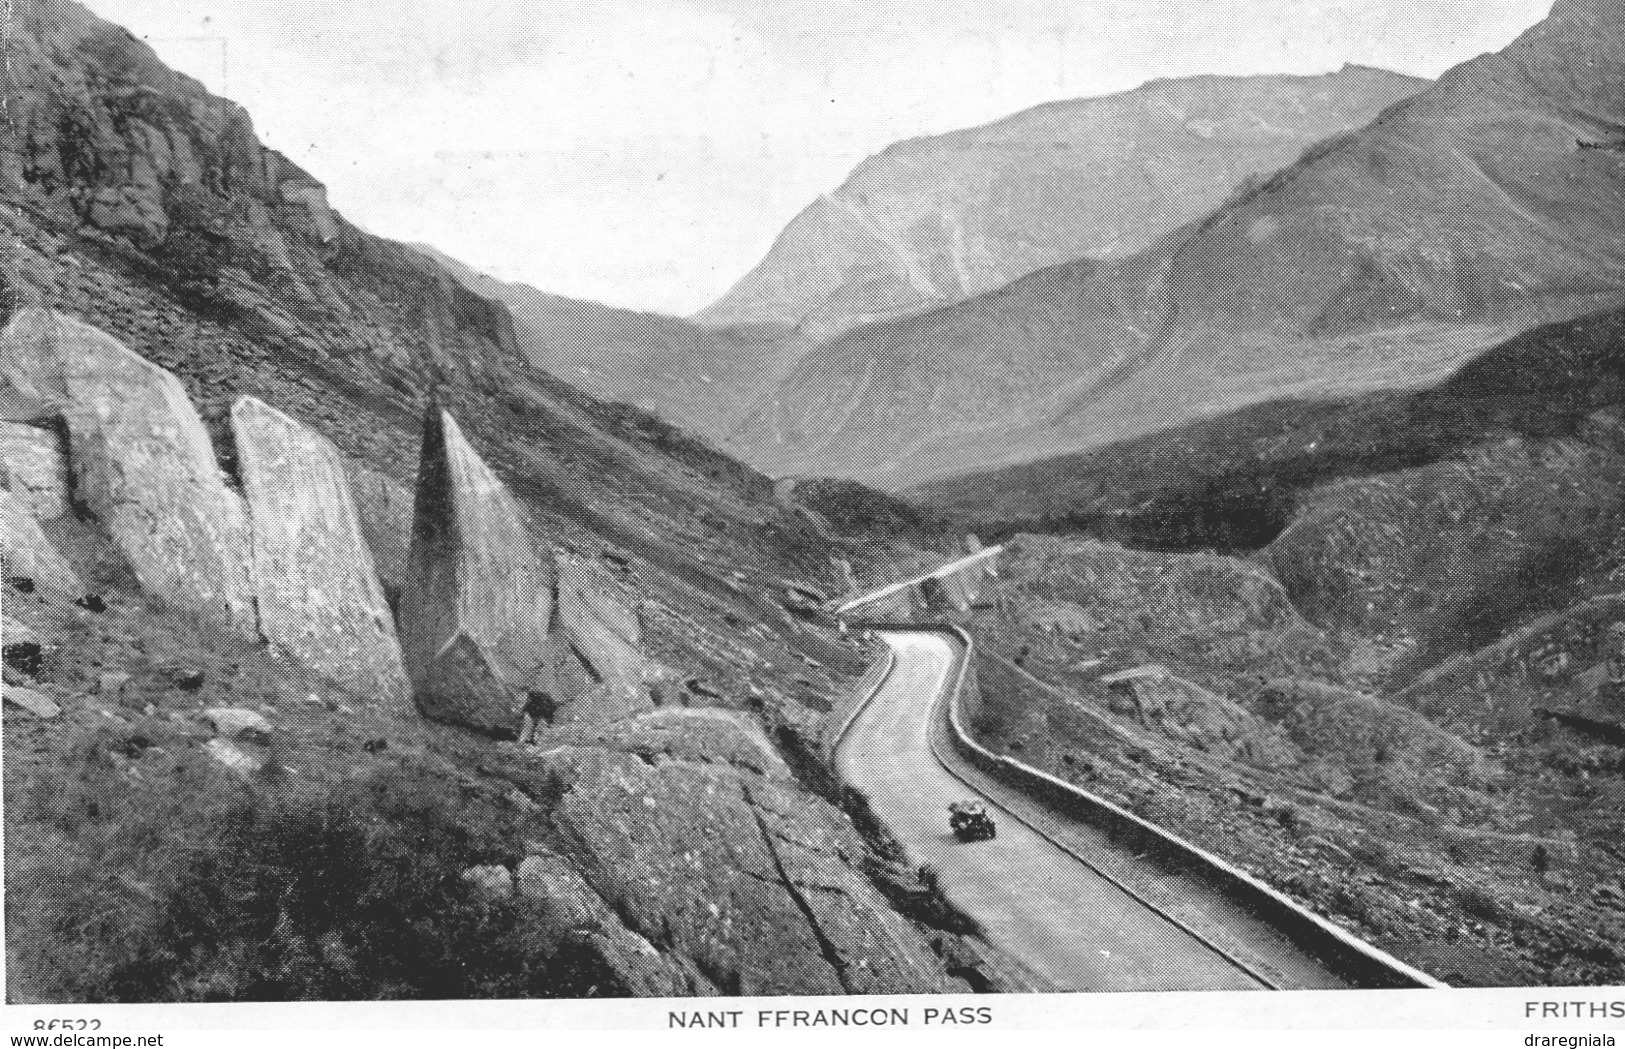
[(1467, 820), (261, 374), (1235, 480), (1431, 522), (1488, 203), (1408, 678), (937, 219), (700, 377)]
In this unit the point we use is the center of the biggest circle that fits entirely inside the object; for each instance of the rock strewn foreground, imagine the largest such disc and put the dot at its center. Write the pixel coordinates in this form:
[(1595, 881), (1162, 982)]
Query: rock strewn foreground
[(755, 882)]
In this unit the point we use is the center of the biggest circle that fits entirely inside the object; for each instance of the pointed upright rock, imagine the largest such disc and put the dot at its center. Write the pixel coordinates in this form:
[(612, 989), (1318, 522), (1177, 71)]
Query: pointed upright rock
[(478, 601), (319, 595)]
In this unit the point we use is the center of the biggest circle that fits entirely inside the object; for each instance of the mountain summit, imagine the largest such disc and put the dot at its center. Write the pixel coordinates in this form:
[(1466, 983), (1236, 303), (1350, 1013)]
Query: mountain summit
[(1491, 202), (936, 219)]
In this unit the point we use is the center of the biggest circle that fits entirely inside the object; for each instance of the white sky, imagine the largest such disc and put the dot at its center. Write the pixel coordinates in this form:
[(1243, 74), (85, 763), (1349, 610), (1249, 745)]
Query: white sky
[(645, 152)]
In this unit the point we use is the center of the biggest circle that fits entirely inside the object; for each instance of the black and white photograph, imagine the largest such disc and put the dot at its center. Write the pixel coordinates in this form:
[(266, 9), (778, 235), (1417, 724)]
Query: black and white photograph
[(813, 514)]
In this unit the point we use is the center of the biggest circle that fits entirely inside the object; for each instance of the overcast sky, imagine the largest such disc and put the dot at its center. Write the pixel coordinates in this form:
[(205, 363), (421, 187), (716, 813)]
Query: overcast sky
[(645, 152)]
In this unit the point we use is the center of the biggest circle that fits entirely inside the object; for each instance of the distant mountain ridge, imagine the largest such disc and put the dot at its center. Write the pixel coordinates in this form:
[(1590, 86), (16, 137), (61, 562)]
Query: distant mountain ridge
[(936, 219), (1491, 202), (700, 378)]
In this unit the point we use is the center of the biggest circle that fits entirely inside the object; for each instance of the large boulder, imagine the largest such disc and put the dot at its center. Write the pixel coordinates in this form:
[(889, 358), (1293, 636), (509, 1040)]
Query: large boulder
[(319, 596), (604, 632), (753, 880), (35, 702), (384, 506), (34, 468), (26, 552), (477, 604), (694, 734), (602, 956), (142, 461)]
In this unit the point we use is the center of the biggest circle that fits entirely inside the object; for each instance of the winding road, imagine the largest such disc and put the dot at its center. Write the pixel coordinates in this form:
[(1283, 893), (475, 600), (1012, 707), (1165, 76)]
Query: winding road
[(1033, 889)]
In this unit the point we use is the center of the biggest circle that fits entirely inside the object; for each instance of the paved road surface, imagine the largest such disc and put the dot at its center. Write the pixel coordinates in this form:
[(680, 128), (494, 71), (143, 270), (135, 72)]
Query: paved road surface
[(1036, 902)]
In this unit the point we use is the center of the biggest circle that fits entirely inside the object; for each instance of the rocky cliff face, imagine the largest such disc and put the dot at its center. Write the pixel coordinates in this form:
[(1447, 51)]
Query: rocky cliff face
[(934, 220), (116, 148), (1487, 204), (232, 281)]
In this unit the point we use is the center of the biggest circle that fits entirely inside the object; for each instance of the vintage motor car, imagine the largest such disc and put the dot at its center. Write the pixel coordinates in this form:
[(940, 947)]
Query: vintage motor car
[(970, 822)]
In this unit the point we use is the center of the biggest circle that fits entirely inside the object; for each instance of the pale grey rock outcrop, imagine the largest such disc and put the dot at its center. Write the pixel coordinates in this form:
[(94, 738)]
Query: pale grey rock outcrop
[(693, 734), (35, 702), (319, 595), (753, 880), (604, 632), (34, 468), (26, 552), (288, 564), (601, 949), (142, 461)]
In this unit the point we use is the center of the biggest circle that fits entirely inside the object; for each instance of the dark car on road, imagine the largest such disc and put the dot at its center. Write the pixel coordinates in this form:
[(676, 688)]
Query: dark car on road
[(970, 822)]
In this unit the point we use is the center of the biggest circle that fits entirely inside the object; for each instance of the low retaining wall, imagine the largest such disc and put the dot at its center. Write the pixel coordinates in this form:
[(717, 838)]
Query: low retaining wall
[(839, 720), (1343, 952), (1346, 954)]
